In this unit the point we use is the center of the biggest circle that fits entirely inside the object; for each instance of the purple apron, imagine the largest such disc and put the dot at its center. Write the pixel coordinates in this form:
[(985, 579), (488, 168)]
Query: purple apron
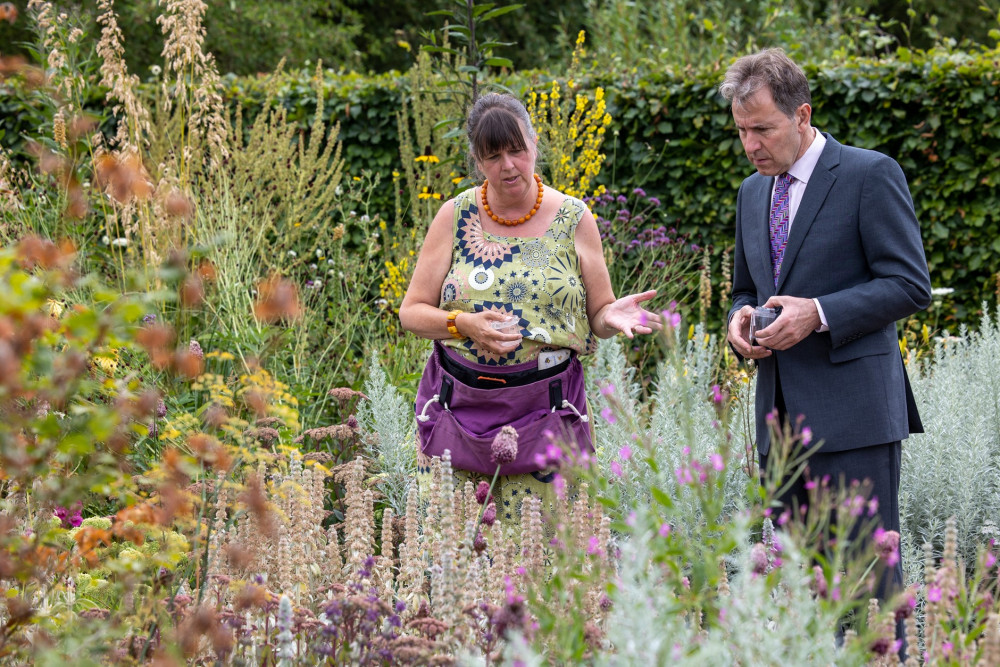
[(464, 419)]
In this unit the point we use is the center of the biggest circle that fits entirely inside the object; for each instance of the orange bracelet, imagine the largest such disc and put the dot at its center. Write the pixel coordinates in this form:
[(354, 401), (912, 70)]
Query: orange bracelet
[(452, 329)]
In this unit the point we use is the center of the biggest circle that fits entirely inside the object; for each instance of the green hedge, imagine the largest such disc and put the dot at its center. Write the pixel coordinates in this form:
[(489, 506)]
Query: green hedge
[(936, 113)]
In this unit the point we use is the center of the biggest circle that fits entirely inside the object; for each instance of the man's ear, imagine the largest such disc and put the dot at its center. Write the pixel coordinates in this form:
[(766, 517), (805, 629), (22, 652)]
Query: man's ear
[(803, 115)]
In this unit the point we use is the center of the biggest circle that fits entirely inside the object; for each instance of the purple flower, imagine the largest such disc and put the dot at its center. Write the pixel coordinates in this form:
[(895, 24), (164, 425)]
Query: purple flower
[(621, 199), (807, 435), (608, 415), (504, 447), (149, 318), (490, 515), (616, 469), (664, 529), (887, 546), (934, 594), (195, 348), (758, 559), (654, 201), (593, 545), (607, 389), (639, 191), (69, 520), (479, 544), (161, 409), (482, 492), (717, 463), (625, 453)]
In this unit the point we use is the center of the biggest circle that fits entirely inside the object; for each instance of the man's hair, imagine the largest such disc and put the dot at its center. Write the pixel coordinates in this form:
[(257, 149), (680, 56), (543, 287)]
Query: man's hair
[(772, 69), (495, 123)]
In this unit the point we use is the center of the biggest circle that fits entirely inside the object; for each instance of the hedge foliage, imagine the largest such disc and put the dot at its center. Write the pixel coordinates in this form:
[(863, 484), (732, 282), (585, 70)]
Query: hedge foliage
[(935, 112)]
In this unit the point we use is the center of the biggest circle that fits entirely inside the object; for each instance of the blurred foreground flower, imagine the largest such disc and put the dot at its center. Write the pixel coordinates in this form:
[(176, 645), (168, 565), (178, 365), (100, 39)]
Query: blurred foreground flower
[(278, 299)]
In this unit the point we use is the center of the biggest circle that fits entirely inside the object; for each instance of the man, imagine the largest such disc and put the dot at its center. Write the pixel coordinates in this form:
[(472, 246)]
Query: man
[(827, 233)]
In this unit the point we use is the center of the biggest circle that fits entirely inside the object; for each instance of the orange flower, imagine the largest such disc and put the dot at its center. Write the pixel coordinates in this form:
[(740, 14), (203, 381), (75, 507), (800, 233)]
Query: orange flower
[(278, 299)]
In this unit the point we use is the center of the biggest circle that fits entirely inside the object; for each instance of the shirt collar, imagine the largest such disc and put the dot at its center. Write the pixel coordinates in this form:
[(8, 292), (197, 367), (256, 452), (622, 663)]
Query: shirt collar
[(803, 168)]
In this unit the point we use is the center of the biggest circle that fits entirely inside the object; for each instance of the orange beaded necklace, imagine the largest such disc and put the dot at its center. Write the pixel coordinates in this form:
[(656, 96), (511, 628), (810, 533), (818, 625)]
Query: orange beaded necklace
[(521, 220)]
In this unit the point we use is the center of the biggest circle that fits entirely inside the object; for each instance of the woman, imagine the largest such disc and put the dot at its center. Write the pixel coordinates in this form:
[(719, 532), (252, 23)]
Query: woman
[(512, 285)]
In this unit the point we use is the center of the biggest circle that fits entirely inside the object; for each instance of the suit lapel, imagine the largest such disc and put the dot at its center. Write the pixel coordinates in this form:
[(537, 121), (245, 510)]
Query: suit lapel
[(819, 186), (759, 233)]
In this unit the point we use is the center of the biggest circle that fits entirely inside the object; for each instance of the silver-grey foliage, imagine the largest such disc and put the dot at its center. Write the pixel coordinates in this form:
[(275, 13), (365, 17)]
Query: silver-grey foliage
[(953, 469), (389, 418)]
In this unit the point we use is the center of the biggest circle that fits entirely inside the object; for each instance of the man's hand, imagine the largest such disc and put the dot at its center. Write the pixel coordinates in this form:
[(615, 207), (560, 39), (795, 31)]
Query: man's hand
[(798, 319), (739, 335)]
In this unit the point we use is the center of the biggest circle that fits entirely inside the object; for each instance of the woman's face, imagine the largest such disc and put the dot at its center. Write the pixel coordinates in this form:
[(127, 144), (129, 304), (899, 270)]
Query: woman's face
[(510, 171)]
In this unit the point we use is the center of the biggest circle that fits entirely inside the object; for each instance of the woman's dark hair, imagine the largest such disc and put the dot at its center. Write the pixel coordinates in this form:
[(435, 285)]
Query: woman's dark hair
[(770, 69), (497, 122)]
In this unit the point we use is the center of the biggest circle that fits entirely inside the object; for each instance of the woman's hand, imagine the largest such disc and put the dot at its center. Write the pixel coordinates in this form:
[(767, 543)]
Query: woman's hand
[(480, 328), (627, 316)]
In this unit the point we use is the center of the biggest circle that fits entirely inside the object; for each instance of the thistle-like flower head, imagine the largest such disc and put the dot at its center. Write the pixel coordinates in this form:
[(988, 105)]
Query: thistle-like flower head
[(504, 447)]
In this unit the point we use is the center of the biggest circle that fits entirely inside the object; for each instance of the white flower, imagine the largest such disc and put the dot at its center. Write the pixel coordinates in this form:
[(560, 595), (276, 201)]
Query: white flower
[(942, 291), (155, 69), (365, 218), (120, 243), (319, 253), (292, 253), (330, 261), (338, 191), (105, 239)]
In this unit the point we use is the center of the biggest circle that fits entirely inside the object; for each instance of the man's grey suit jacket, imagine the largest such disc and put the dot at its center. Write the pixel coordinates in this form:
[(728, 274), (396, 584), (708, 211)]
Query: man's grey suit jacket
[(854, 245)]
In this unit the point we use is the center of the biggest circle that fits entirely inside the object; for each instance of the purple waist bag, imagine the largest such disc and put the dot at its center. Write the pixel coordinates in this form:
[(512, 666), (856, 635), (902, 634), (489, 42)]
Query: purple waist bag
[(462, 418)]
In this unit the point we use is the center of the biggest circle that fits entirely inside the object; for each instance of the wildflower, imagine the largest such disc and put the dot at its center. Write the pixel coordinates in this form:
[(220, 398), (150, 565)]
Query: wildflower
[(490, 515), (942, 291), (630, 519), (149, 318), (155, 70), (906, 608), (161, 409), (593, 545), (819, 582), (479, 544), (120, 243), (758, 559), (639, 191), (69, 520), (607, 389), (559, 486), (664, 529), (504, 447), (717, 463), (482, 492), (887, 546), (934, 594), (625, 453), (194, 347), (608, 415), (616, 469), (807, 435), (292, 253), (431, 159)]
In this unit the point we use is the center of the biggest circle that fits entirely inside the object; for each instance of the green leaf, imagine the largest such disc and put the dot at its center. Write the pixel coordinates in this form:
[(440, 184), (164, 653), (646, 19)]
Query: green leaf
[(499, 11), (499, 62)]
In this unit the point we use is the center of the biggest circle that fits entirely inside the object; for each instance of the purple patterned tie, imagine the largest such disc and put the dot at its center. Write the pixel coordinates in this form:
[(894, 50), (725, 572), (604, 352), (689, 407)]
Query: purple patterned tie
[(779, 222)]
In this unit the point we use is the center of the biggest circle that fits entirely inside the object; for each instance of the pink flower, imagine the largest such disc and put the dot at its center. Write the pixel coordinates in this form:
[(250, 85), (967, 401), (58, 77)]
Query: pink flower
[(490, 515), (608, 415), (616, 469), (607, 389), (934, 594), (625, 453), (482, 491), (758, 559), (683, 475), (664, 529), (504, 447), (807, 435), (873, 506), (887, 546), (717, 463), (717, 393), (593, 545), (630, 519), (559, 486)]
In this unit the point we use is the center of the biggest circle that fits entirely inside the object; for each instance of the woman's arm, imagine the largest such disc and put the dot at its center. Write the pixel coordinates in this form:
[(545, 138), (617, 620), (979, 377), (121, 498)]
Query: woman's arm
[(420, 312)]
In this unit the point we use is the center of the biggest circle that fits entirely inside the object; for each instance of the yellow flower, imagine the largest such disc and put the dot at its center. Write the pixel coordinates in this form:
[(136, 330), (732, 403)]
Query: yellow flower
[(432, 159)]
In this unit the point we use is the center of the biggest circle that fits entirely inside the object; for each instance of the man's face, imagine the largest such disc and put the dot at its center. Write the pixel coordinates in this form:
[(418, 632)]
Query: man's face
[(772, 140)]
